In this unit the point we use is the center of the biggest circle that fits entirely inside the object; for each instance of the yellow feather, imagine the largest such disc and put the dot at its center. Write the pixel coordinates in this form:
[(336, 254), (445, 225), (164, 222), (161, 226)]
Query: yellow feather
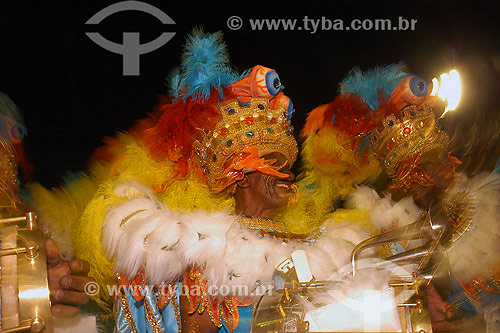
[(181, 195)]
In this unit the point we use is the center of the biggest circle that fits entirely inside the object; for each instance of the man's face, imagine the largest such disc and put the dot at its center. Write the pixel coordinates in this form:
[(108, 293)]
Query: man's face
[(270, 192)]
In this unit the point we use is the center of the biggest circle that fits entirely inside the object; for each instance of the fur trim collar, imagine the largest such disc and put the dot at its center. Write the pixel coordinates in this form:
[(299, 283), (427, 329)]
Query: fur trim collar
[(143, 233)]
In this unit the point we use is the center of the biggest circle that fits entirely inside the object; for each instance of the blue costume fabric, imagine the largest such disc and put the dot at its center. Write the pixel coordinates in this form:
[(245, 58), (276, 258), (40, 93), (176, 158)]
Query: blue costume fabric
[(166, 318)]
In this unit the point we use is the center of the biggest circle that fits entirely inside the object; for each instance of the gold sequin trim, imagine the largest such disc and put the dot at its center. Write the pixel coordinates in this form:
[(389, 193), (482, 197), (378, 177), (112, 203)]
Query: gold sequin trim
[(175, 305), (151, 318), (127, 313), (274, 228), (260, 223)]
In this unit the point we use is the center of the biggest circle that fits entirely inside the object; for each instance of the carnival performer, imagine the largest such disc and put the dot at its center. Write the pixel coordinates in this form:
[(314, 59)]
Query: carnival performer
[(67, 278), (196, 204), (398, 115)]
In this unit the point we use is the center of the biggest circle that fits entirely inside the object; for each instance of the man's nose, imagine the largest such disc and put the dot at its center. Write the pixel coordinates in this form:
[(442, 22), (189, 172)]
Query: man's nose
[(291, 175)]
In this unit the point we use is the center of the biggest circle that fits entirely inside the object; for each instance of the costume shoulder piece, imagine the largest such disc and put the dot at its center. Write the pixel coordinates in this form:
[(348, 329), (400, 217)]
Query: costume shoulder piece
[(143, 234)]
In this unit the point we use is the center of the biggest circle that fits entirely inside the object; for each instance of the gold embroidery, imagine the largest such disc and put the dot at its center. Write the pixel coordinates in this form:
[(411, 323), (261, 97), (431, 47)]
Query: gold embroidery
[(127, 313), (175, 305), (151, 318), (274, 228)]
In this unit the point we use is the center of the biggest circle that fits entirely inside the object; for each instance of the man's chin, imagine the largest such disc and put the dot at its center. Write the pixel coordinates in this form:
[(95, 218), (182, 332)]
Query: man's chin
[(277, 213)]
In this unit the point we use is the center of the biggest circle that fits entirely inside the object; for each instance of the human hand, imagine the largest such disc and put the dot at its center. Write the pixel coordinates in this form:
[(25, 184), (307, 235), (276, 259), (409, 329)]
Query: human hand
[(445, 317), (67, 280)]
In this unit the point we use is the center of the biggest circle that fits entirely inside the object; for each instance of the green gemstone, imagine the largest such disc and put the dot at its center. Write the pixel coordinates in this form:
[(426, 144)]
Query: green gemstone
[(270, 131), (214, 157), (229, 143), (249, 133)]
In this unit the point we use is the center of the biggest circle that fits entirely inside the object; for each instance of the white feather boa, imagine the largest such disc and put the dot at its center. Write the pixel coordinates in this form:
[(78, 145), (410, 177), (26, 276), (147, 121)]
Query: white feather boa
[(143, 232), (384, 212), (478, 249)]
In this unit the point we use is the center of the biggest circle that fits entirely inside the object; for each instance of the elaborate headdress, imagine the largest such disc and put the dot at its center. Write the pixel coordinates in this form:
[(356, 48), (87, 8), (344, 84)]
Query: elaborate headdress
[(402, 143), (241, 138), (218, 124), (391, 109), (335, 153), (12, 132)]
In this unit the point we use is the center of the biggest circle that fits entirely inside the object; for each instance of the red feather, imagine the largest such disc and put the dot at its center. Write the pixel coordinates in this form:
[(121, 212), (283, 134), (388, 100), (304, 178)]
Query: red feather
[(351, 114), (180, 124)]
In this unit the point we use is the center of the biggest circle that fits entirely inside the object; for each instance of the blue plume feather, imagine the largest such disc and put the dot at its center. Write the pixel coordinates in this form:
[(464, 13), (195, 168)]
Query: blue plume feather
[(368, 84), (205, 65), (246, 73), (173, 81), (11, 121)]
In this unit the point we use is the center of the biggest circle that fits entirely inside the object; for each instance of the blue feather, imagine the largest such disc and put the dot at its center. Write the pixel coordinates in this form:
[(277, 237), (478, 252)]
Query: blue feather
[(173, 80), (246, 73), (11, 121), (205, 65), (368, 84)]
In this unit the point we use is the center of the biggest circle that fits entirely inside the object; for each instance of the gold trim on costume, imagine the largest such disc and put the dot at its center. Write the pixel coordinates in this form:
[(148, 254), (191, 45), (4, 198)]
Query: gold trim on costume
[(151, 318), (176, 308), (126, 312), (275, 229)]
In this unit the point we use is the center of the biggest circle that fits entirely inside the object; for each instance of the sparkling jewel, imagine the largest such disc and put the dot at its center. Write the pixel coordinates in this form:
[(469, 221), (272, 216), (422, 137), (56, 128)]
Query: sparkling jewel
[(249, 120), (224, 132)]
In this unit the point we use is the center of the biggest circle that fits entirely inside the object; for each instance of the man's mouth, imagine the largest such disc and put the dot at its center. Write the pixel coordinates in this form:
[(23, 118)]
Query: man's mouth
[(283, 185)]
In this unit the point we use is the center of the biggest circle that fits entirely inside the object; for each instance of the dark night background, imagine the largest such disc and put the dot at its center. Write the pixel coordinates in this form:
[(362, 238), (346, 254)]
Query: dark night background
[(72, 92)]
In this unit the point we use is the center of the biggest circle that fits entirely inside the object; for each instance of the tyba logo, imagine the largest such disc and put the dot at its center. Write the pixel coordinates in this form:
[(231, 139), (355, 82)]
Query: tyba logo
[(131, 49)]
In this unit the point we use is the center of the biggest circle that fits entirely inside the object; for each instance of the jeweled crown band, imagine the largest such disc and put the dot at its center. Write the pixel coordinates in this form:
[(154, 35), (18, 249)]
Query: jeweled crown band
[(415, 132), (242, 126)]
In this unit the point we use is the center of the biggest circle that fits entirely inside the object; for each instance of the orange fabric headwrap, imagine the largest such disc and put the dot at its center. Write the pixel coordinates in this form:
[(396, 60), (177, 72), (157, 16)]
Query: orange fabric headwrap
[(248, 160)]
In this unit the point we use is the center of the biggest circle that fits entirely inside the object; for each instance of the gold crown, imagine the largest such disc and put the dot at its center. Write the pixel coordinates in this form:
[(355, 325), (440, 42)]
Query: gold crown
[(242, 126), (416, 132)]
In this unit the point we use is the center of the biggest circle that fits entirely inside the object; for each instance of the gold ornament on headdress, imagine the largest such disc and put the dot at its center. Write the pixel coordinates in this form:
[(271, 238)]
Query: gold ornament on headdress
[(460, 207), (415, 134), (9, 181), (252, 125)]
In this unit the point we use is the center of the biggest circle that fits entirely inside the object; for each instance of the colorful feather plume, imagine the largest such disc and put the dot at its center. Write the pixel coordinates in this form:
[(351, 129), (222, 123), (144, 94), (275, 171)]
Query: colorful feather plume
[(173, 136), (205, 65), (374, 84), (333, 153)]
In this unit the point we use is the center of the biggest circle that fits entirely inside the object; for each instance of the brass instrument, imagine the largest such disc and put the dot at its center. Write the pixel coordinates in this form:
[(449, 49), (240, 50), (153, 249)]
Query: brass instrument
[(283, 312), (25, 303)]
